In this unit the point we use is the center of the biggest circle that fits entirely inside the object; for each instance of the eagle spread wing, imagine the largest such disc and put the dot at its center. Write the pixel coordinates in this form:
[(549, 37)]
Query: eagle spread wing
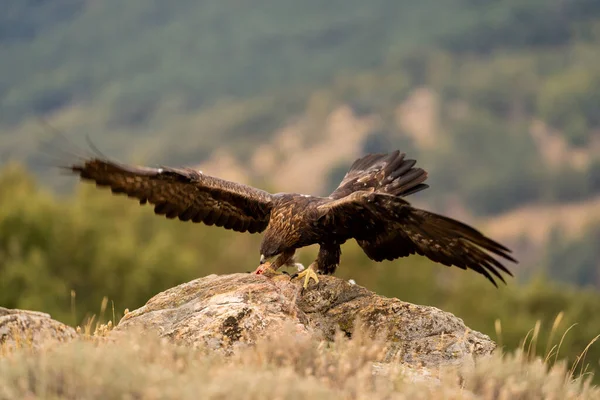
[(387, 227), (184, 193)]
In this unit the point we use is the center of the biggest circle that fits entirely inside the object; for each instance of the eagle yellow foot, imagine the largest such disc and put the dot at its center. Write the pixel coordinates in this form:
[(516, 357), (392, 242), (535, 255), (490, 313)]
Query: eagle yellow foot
[(308, 274)]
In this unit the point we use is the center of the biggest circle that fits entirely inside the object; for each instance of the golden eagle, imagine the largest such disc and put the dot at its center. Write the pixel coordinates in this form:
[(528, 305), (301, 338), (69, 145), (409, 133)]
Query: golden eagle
[(367, 206)]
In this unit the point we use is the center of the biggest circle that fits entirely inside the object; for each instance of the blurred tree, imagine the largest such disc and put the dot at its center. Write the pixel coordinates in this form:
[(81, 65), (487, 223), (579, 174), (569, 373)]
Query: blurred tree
[(581, 255), (569, 101)]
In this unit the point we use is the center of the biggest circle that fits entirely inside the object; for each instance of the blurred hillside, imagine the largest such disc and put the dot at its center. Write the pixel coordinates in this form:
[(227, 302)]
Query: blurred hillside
[(210, 72), (498, 101)]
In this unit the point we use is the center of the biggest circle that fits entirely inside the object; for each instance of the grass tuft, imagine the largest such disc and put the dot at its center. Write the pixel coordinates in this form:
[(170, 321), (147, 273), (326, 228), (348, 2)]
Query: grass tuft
[(289, 364)]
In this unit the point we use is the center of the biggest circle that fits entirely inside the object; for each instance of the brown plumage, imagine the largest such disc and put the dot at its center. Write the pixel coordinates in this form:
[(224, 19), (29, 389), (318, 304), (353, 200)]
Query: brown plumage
[(367, 206)]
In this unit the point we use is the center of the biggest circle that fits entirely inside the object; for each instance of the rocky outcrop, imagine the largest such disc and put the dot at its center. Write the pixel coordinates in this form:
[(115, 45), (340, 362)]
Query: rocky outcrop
[(22, 328), (220, 311)]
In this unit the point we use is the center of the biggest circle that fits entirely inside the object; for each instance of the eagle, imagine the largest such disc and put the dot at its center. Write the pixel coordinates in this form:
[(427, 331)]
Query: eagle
[(368, 206)]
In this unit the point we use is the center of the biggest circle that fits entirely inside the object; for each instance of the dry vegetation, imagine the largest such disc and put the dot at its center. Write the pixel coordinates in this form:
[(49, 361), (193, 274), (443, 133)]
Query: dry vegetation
[(290, 366)]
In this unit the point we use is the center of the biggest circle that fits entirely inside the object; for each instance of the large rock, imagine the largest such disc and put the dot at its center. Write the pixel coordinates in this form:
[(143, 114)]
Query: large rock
[(23, 328), (221, 310)]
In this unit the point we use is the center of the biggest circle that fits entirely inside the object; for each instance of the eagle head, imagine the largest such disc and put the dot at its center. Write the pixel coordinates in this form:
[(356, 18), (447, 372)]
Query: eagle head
[(269, 248)]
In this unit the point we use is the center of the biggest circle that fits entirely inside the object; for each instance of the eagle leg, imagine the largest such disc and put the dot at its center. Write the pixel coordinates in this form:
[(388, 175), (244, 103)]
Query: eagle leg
[(327, 261), (308, 274)]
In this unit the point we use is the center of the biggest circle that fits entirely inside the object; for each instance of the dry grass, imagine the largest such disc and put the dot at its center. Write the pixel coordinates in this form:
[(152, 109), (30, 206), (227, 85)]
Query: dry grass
[(294, 366)]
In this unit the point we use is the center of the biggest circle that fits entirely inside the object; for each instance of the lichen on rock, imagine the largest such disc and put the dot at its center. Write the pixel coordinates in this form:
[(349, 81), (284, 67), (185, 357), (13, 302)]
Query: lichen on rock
[(23, 328), (225, 310)]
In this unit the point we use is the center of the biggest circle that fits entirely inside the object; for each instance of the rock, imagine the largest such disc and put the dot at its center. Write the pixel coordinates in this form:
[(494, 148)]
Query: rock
[(222, 310), (22, 328)]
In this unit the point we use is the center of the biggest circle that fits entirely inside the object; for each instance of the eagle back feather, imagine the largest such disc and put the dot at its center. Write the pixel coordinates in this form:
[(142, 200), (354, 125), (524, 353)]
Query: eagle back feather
[(184, 193)]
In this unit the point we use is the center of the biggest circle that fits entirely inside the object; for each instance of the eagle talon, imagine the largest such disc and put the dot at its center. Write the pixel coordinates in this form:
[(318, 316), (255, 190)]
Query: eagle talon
[(308, 274)]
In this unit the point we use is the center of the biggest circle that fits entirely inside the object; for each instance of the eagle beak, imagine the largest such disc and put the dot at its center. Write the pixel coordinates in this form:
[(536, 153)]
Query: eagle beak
[(262, 259)]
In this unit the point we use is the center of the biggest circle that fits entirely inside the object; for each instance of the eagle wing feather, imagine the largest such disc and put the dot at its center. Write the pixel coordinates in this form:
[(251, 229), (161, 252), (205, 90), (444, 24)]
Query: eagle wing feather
[(184, 193), (387, 227), (384, 173)]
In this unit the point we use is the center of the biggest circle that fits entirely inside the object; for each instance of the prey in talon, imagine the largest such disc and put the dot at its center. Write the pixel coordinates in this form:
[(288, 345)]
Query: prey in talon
[(368, 206), (266, 267)]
